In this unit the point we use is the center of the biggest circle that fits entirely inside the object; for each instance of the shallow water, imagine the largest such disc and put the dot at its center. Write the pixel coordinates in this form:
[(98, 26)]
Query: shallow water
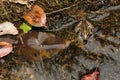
[(101, 51)]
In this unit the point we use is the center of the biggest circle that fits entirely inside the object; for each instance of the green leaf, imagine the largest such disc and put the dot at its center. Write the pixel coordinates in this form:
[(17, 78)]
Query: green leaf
[(25, 27)]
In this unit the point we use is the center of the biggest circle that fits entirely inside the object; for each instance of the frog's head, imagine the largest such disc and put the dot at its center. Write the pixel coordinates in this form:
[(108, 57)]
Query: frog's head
[(85, 35)]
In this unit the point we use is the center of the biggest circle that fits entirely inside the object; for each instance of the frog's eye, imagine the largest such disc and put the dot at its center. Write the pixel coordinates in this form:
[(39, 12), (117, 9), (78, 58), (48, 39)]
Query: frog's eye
[(1, 30)]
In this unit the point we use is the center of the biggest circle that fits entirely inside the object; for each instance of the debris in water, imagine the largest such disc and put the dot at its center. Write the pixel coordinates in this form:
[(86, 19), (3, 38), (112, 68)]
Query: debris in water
[(8, 28), (36, 16), (92, 76), (5, 48)]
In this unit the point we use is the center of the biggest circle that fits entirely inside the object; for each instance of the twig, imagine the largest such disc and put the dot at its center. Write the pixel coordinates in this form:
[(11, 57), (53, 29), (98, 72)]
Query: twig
[(59, 10), (21, 39), (97, 66), (113, 8), (106, 10)]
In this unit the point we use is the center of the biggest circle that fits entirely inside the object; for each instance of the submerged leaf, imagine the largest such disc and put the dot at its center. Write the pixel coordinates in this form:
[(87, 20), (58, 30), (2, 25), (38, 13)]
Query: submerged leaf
[(25, 27), (9, 40), (8, 28), (36, 16), (42, 44), (28, 53), (5, 48), (48, 44)]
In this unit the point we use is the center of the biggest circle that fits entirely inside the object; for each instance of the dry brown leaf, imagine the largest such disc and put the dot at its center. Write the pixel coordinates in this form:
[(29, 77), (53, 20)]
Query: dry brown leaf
[(92, 76), (48, 44), (5, 48), (36, 16), (8, 28), (19, 1)]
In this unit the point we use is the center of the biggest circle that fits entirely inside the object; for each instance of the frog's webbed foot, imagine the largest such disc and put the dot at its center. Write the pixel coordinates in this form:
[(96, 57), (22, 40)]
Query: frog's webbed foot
[(84, 29)]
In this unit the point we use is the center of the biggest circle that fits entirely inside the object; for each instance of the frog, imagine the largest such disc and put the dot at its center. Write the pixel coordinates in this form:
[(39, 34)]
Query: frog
[(84, 28)]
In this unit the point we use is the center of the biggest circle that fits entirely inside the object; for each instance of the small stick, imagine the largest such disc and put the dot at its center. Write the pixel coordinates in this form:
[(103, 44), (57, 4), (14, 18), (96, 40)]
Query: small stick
[(21, 39), (106, 10), (59, 10)]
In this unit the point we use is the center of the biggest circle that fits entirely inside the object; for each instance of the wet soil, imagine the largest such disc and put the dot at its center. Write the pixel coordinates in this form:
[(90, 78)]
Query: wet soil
[(101, 50)]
